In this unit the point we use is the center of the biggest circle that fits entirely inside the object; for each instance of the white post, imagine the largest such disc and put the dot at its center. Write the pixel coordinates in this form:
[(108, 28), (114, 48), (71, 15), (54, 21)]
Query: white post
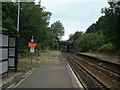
[(18, 15), (32, 49)]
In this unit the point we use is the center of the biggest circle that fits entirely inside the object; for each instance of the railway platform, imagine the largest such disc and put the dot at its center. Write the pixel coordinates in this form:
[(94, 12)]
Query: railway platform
[(112, 58), (53, 73), (49, 76)]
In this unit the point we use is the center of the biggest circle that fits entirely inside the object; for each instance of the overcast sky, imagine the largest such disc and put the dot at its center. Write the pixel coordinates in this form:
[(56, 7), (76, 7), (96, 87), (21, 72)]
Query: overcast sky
[(75, 15)]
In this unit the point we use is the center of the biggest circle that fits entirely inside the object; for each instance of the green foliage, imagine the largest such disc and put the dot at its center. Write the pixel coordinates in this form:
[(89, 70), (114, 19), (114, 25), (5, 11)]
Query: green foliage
[(107, 47), (106, 30), (0, 13), (89, 41), (112, 29), (74, 37), (58, 29), (104, 48), (9, 16), (109, 24), (92, 28), (34, 21)]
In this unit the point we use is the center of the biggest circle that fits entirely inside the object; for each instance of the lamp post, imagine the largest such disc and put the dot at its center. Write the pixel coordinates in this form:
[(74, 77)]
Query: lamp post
[(18, 15), (16, 53)]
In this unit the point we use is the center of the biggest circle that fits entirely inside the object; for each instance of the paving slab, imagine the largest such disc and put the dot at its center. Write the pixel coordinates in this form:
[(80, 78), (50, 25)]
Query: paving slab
[(53, 72), (49, 76)]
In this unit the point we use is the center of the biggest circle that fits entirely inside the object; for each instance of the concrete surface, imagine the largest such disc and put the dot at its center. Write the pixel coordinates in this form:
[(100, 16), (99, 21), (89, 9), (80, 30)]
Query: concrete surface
[(11, 76), (55, 73), (112, 58), (50, 76)]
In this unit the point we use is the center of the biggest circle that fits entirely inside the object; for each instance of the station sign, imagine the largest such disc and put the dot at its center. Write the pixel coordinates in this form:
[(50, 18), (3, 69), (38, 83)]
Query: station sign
[(32, 40), (32, 44)]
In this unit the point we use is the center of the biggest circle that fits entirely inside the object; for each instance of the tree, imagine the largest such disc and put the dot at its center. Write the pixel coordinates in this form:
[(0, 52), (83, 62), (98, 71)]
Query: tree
[(89, 41), (9, 17), (58, 29), (108, 24), (34, 21), (75, 36), (112, 21), (0, 14)]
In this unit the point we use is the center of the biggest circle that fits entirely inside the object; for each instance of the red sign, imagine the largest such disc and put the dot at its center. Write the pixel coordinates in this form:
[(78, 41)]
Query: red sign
[(32, 44)]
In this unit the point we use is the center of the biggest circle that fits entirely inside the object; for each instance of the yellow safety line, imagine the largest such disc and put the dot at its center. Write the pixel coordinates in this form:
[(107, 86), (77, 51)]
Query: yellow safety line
[(78, 82)]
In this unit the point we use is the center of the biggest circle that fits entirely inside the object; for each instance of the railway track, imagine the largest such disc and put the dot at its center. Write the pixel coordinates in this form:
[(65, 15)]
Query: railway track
[(114, 67), (110, 69), (91, 75)]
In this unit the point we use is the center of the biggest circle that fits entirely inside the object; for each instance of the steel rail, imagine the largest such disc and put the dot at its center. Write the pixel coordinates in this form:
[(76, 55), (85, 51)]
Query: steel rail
[(111, 63), (102, 69), (84, 86), (96, 78)]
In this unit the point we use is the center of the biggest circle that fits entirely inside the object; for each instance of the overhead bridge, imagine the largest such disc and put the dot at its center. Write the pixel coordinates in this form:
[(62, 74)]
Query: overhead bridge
[(66, 46)]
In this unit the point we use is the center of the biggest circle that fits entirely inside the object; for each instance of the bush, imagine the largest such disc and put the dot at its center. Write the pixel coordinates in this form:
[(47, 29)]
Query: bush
[(89, 41), (106, 48)]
